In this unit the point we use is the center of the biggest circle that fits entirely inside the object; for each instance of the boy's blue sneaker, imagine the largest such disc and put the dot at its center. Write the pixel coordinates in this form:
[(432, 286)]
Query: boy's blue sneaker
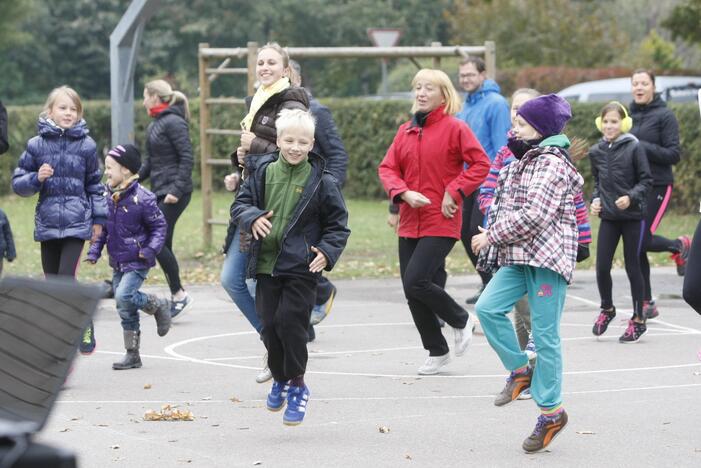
[(297, 399), (277, 396), (319, 312), (87, 343), (178, 307)]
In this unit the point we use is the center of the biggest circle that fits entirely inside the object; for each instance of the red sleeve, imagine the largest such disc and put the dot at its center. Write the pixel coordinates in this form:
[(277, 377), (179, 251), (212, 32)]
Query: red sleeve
[(389, 171), (473, 154)]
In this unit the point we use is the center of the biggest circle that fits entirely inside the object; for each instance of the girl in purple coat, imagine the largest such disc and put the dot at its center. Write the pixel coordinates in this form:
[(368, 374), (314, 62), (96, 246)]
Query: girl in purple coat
[(60, 164), (135, 232)]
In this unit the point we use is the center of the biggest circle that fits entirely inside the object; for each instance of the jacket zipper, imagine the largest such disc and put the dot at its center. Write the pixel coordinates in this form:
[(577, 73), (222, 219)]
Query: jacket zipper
[(421, 131)]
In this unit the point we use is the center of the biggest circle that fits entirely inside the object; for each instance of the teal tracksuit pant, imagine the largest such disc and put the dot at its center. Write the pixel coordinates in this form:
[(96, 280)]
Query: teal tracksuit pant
[(546, 292)]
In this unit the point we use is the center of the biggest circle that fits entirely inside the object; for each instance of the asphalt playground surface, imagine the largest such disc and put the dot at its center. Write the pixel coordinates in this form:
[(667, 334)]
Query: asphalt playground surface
[(629, 405)]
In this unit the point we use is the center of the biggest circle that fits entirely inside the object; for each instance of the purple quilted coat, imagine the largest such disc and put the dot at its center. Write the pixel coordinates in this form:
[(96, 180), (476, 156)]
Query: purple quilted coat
[(135, 230)]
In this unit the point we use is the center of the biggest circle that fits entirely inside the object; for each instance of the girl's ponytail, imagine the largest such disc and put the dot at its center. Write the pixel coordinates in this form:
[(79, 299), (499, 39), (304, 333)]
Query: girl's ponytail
[(179, 96), (165, 93)]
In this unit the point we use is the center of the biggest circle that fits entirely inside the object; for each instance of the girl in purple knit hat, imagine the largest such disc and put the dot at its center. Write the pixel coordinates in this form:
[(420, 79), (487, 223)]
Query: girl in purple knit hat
[(531, 237)]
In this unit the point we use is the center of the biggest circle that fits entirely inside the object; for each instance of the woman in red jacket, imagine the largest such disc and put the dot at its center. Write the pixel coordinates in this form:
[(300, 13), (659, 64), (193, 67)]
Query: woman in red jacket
[(424, 172)]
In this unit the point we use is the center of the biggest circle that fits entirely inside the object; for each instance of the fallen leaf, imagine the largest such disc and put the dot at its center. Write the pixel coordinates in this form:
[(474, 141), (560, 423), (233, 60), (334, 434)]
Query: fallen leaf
[(65, 430), (255, 463), (407, 456), (243, 428), (586, 432), (384, 429), (235, 400), (114, 447), (147, 386), (215, 425), (75, 419), (665, 423)]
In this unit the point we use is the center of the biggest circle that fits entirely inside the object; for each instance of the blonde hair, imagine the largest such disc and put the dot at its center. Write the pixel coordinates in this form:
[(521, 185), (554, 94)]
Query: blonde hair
[(167, 94), (295, 118), (440, 79), (55, 93), (527, 91)]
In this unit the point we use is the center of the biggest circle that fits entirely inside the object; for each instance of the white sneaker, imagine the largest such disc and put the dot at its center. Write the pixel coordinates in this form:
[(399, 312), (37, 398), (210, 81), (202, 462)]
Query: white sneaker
[(433, 364), (463, 337), (525, 395), (265, 374)]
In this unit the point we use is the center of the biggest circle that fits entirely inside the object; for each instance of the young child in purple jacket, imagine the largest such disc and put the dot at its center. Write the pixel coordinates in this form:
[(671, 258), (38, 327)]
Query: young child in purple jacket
[(134, 233)]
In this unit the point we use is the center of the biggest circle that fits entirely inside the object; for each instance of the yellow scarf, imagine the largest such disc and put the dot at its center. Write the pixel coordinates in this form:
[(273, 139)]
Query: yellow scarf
[(117, 191), (262, 95)]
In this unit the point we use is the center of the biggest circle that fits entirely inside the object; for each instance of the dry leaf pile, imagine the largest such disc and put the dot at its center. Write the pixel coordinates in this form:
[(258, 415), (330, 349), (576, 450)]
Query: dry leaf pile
[(169, 413)]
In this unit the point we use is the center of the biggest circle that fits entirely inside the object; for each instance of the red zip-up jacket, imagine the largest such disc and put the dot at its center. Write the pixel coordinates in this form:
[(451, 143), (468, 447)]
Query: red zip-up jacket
[(430, 159)]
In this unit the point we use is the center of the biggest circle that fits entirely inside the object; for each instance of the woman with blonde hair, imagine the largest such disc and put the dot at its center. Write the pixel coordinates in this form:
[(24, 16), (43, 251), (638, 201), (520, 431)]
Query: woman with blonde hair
[(168, 162), (424, 172)]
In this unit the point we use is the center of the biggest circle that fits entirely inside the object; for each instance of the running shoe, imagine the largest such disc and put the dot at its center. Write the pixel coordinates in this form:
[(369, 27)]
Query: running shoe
[(546, 429), (88, 343), (650, 310), (277, 396), (633, 333), (682, 256), (297, 399), (516, 383), (602, 322)]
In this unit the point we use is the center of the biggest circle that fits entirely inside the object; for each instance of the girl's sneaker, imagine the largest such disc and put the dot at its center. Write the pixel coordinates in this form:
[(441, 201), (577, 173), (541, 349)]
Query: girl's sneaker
[(602, 322), (633, 333), (682, 256), (277, 396), (530, 348), (650, 310), (297, 398), (87, 343), (178, 307), (546, 429)]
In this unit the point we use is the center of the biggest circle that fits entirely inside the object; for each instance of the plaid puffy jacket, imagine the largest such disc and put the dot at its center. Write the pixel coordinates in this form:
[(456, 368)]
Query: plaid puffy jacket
[(532, 220)]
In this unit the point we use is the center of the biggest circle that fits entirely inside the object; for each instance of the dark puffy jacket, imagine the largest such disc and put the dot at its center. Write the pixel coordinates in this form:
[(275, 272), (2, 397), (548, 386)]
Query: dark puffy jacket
[(620, 168), (4, 141), (168, 153), (7, 242), (658, 131), (71, 200), (264, 121), (134, 232), (327, 141), (320, 219)]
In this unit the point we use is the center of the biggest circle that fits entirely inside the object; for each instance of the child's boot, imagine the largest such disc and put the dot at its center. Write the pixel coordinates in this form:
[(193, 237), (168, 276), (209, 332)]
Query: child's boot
[(131, 360), (160, 309)]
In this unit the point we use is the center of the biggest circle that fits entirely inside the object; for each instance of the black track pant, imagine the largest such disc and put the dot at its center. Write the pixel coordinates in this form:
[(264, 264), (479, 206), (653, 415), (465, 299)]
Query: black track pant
[(166, 257), (692, 277), (472, 218), (421, 263), (284, 304), (610, 233), (61, 256), (657, 203)]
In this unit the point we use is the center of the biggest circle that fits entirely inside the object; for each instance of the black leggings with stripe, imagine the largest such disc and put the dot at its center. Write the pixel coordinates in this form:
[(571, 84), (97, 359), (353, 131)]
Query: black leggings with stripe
[(692, 277), (657, 203)]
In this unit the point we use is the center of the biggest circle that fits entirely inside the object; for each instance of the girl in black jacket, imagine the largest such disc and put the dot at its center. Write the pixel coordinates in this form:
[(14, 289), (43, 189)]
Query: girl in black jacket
[(169, 163), (622, 181), (655, 125)]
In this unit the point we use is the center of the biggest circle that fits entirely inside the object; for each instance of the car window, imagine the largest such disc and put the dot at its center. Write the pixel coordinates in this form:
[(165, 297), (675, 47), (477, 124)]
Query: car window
[(606, 97)]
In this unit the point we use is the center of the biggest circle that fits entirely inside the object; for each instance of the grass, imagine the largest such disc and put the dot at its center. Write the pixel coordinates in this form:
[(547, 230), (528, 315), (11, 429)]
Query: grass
[(371, 250)]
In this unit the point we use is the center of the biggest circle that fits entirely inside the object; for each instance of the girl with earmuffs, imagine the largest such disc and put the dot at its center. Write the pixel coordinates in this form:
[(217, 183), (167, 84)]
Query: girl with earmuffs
[(622, 181)]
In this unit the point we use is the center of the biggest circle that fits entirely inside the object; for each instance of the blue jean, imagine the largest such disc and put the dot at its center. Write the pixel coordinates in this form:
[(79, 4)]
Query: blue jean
[(129, 299), (546, 297), (233, 279)]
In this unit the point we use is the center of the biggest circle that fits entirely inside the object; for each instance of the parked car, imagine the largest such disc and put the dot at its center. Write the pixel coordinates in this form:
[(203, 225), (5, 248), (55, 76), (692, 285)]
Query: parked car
[(671, 88)]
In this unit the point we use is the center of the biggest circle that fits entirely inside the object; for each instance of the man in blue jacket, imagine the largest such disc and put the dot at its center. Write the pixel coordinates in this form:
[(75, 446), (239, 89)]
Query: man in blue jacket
[(487, 113)]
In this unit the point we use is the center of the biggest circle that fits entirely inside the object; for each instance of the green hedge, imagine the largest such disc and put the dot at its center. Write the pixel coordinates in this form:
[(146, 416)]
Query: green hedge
[(367, 128)]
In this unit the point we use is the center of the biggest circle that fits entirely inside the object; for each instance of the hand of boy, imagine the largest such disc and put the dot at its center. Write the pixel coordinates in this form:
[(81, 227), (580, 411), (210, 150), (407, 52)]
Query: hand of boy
[(45, 171), (480, 241), (241, 155), (448, 207), (261, 226), (623, 202), (246, 140), (415, 199), (96, 232), (393, 221), (170, 199), (319, 262)]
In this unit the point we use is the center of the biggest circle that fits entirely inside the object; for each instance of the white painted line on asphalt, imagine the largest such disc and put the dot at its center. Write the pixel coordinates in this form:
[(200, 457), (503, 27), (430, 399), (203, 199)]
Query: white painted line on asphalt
[(387, 398)]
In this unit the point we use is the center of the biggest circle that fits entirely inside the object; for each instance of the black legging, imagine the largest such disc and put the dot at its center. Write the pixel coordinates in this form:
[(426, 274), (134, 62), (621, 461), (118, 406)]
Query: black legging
[(61, 256), (657, 203), (421, 264), (166, 258), (472, 217), (610, 233), (692, 277)]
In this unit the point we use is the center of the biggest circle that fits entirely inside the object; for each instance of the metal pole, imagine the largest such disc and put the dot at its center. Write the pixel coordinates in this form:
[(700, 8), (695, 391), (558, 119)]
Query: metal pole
[(124, 46), (384, 91), (205, 149), (436, 59)]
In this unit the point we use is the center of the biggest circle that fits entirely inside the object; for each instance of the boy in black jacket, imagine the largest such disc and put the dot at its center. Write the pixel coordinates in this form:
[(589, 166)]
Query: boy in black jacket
[(298, 219)]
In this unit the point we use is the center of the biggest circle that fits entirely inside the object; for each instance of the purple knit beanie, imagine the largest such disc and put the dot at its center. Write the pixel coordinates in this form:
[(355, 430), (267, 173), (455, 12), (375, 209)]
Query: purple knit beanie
[(548, 114), (127, 156)]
